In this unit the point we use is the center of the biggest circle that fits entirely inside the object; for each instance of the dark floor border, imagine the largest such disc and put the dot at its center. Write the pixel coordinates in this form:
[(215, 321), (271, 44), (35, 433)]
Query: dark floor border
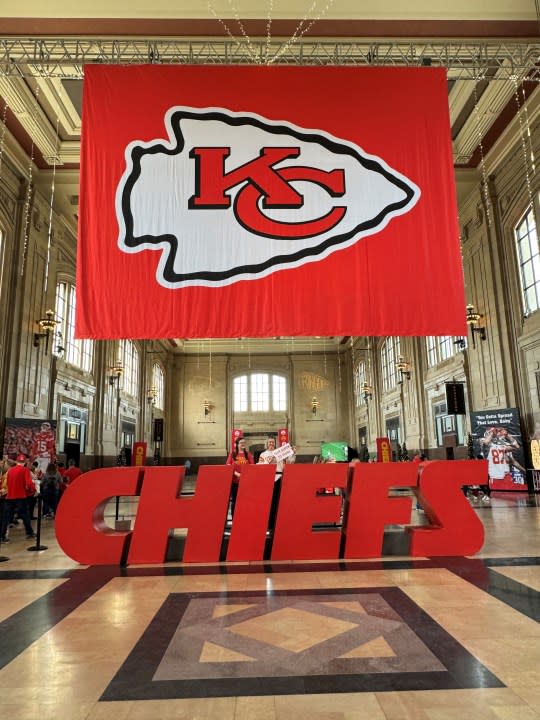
[(134, 679), (28, 624)]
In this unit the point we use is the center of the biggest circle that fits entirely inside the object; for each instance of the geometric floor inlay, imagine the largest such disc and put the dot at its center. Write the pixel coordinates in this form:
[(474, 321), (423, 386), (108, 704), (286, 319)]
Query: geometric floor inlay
[(374, 639)]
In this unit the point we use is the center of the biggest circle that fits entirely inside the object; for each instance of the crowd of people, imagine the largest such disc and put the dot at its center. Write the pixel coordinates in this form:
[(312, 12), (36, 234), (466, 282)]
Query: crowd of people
[(22, 483)]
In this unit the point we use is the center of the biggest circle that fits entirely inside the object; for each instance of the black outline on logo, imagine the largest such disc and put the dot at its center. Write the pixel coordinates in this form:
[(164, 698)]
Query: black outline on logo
[(169, 275)]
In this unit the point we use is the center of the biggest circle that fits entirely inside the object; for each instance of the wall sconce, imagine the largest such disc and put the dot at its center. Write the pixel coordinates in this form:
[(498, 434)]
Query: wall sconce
[(404, 369), (206, 407), (367, 392), (48, 325), (151, 395), (314, 405), (115, 373), (473, 321)]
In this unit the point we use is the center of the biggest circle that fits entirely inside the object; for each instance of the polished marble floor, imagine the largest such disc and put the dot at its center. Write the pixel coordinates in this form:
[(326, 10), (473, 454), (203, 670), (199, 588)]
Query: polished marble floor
[(389, 639)]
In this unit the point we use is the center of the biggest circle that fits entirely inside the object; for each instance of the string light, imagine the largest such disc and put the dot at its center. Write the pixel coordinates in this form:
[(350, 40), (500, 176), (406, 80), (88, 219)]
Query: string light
[(252, 52), (210, 365), (304, 26), (26, 233), (522, 138), (339, 369), (3, 135), (268, 29), (301, 30), (528, 127), (49, 230), (353, 360), (485, 189)]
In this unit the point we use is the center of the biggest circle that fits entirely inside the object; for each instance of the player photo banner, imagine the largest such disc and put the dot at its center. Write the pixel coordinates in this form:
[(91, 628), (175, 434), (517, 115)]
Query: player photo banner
[(497, 438), (31, 437), (263, 201)]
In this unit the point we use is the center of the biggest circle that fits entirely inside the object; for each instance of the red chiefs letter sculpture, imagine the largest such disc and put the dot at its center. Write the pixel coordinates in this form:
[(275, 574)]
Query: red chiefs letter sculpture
[(454, 530)]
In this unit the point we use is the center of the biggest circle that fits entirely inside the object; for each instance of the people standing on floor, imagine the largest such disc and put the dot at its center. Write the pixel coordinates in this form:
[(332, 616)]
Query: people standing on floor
[(19, 486), (36, 479), (50, 490), (268, 456), (486, 497), (71, 472), (237, 457)]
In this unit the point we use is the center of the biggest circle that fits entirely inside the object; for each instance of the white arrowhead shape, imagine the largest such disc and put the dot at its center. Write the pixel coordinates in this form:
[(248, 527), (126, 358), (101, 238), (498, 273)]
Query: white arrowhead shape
[(209, 246)]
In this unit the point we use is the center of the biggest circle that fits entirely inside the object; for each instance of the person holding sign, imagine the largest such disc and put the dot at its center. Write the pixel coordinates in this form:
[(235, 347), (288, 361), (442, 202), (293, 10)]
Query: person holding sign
[(279, 456)]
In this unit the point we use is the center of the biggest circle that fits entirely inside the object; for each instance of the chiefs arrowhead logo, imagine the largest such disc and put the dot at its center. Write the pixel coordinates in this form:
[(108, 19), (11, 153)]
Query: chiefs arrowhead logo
[(234, 196)]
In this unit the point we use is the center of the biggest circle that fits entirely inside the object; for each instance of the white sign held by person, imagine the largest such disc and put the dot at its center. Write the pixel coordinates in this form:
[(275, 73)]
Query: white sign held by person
[(283, 452)]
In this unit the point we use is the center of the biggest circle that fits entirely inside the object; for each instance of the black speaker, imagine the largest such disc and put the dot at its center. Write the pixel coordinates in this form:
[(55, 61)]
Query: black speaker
[(455, 398), (158, 430)]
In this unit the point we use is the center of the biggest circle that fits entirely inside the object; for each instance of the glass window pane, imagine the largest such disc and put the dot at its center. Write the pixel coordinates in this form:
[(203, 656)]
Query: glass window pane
[(260, 392), (279, 400), (524, 250), (531, 302), (240, 394), (528, 274)]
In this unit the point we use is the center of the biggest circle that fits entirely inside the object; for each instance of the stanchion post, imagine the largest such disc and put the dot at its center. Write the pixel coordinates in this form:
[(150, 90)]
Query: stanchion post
[(38, 545), (3, 558), (117, 509)]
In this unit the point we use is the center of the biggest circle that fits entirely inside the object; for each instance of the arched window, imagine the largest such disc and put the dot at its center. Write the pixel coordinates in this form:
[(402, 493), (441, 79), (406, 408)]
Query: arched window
[(158, 385), (76, 352), (390, 351), (442, 347), (129, 358), (528, 253), (359, 380), (260, 392)]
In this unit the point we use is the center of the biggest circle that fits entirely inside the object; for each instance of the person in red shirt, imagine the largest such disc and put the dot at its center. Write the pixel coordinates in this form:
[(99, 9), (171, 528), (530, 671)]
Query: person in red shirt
[(238, 457), (71, 473), (19, 486)]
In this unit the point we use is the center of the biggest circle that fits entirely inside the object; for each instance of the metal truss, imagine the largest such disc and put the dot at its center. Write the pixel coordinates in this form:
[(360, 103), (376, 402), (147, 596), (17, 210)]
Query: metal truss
[(66, 57)]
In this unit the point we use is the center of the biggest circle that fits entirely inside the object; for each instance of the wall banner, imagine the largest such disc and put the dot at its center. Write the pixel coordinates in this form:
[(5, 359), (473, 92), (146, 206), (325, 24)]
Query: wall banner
[(34, 438), (384, 450), (497, 438), (218, 196)]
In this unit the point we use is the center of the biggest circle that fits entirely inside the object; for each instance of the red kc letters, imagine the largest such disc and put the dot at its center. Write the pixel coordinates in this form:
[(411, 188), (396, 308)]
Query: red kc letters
[(453, 529)]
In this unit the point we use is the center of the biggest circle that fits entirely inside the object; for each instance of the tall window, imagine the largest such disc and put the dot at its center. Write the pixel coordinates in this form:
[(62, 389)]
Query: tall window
[(441, 347), (129, 357), (158, 384), (359, 380), (390, 351), (259, 392), (529, 262), (77, 352)]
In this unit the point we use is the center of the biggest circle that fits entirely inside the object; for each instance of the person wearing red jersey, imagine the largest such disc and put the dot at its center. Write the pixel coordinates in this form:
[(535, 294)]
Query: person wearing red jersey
[(238, 457), (71, 473), (44, 446), (19, 486)]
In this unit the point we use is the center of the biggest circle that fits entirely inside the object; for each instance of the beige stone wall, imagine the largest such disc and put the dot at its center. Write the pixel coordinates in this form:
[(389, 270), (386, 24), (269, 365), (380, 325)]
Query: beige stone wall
[(502, 371)]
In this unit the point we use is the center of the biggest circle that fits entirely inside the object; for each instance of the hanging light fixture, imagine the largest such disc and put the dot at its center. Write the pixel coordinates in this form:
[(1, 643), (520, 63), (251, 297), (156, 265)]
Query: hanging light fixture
[(367, 392), (47, 325), (115, 373), (474, 322), (404, 369)]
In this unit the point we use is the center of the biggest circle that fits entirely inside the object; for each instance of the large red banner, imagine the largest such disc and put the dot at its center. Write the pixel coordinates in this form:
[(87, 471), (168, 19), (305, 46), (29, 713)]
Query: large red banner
[(213, 197)]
